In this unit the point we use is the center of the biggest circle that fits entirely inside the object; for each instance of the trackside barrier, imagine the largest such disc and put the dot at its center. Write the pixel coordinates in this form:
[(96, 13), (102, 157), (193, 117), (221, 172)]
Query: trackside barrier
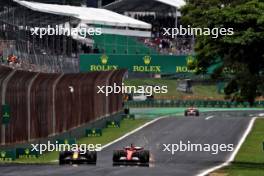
[(196, 103), (128, 116), (76, 133), (26, 153), (112, 124), (94, 132), (43, 105), (7, 155), (69, 141)]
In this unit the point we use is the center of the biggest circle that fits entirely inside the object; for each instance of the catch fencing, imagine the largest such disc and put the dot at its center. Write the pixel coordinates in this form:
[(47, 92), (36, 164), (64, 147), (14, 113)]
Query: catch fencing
[(46, 104)]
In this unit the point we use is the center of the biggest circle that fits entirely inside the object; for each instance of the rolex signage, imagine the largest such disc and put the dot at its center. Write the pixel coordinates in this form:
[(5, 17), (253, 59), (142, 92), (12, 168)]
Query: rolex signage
[(190, 62), (103, 65), (7, 155), (5, 114), (137, 63), (26, 153), (147, 67)]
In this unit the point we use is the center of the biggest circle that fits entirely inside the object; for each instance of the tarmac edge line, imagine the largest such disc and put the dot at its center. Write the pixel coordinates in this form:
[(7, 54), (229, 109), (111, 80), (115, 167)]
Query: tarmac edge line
[(233, 155)]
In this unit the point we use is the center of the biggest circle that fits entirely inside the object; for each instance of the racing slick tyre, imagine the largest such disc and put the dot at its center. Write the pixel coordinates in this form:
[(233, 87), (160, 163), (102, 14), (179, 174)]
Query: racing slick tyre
[(144, 156), (62, 157), (197, 113), (91, 157), (117, 154), (185, 113)]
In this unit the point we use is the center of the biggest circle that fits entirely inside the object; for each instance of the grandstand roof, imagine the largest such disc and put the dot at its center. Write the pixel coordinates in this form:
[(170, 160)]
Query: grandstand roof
[(174, 3), (145, 5), (86, 15)]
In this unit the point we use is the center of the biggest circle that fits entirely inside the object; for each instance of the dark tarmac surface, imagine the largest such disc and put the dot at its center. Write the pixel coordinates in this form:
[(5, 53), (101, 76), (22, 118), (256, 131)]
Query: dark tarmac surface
[(220, 128)]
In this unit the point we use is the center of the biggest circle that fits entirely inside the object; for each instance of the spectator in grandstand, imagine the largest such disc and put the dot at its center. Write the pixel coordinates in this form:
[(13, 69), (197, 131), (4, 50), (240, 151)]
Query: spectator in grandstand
[(182, 45), (12, 59), (96, 50)]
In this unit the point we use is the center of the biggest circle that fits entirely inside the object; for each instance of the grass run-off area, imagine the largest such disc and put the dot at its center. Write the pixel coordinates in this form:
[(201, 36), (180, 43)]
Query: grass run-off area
[(109, 134), (250, 158), (199, 91)]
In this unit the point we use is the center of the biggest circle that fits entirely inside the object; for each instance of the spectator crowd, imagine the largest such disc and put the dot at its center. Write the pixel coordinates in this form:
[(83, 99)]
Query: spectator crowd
[(14, 61), (181, 45)]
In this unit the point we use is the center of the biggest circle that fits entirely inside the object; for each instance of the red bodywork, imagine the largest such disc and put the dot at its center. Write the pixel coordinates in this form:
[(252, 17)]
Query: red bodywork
[(131, 155), (130, 151), (192, 108), (192, 111)]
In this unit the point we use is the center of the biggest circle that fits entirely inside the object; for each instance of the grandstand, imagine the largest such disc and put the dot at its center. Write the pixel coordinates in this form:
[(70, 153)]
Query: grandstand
[(118, 44), (122, 36), (145, 5), (60, 53), (46, 52)]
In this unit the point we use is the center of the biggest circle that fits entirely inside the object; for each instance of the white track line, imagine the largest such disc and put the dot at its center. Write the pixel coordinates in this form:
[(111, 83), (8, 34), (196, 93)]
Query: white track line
[(130, 133), (134, 131), (232, 156), (209, 117)]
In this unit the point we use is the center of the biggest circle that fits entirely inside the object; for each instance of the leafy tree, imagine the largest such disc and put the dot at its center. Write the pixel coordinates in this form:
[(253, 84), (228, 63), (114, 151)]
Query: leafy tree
[(241, 54)]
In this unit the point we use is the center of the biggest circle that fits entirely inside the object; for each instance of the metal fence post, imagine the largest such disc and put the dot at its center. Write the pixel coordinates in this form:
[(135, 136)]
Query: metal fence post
[(5, 82), (53, 104), (28, 104)]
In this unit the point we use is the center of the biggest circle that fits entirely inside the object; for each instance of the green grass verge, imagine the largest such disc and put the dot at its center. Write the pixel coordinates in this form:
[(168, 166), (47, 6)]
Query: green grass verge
[(250, 158), (109, 134), (199, 91)]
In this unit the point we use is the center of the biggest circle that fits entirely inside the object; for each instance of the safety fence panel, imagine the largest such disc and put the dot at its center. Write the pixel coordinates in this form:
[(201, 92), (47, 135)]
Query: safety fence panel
[(4, 72), (102, 100), (41, 105), (16, 96), (44, 104)]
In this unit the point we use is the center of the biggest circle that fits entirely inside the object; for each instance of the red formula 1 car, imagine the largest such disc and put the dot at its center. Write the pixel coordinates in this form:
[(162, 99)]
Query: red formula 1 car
[(191, 112), (131, 155)]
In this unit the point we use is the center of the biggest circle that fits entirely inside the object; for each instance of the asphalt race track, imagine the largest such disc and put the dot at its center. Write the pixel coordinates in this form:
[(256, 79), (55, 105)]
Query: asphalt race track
[(219, 128)]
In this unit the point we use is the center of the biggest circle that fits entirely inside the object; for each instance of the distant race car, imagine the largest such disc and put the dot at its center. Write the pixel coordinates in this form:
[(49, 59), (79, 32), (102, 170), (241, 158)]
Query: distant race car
[(191, 112), (131, 155), (76, 157)]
